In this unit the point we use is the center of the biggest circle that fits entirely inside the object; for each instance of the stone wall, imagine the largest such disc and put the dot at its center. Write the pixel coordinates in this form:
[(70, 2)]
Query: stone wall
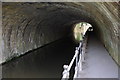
[(27, 26)]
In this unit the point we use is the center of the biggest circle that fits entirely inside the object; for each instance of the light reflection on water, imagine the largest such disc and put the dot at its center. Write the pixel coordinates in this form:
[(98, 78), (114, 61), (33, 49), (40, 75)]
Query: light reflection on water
[(46, 62)]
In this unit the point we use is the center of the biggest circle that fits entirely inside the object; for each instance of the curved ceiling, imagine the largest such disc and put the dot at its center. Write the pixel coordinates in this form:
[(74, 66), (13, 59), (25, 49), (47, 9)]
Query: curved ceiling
[(27, 26)]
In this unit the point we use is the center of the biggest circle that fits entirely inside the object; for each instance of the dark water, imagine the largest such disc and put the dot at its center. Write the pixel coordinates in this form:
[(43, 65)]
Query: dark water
[(46, 62)]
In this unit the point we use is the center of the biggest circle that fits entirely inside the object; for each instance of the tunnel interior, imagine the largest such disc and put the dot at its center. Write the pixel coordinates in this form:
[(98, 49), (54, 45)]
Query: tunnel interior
[(45, 29), (28, 26)]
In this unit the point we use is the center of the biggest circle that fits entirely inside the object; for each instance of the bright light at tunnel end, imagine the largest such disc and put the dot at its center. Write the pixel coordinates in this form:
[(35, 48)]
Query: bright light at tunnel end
[(80, 30)]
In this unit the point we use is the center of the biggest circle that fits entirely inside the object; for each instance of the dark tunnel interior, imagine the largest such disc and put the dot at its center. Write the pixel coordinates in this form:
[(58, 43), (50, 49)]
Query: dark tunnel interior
[(43, 33)]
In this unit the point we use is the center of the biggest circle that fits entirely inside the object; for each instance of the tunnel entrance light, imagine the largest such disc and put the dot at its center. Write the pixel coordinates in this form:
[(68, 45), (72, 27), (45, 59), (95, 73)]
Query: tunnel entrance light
[(80, 30)]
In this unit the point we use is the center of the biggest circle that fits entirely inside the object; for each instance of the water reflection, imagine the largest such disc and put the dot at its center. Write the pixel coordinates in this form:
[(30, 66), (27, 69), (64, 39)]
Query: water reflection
[(46, 62)]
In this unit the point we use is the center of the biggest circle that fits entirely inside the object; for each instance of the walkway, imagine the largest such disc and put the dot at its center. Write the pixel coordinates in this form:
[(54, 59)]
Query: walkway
[(98, 63), (48, 61)]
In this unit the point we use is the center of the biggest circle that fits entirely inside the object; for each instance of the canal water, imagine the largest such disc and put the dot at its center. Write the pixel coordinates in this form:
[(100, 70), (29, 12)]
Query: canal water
[(45, 62)]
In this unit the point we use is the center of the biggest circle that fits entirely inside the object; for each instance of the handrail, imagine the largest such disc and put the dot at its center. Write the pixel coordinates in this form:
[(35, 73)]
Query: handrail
[(66, 67), (79, 54), (76, 53)]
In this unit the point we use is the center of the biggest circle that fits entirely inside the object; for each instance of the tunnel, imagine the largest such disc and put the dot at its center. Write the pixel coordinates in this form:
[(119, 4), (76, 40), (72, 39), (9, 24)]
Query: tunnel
[(27, 26)]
